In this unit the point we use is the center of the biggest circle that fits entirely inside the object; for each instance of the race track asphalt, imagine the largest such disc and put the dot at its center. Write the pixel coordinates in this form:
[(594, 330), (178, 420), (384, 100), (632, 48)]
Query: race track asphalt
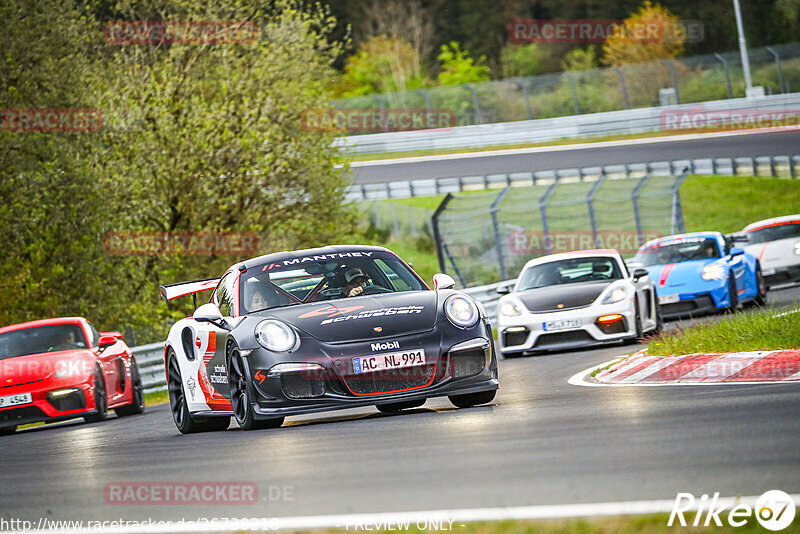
[(542, 441), (752, 144)]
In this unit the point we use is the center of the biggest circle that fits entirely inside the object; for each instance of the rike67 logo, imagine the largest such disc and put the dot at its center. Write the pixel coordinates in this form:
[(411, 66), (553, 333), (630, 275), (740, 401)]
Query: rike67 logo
[(774, 510)]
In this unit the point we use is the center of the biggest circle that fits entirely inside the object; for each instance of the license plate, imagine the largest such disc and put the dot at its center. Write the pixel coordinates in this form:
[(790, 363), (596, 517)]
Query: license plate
[(394, 360), (669, 299), (768, 272), (15, 400), (562, 324)]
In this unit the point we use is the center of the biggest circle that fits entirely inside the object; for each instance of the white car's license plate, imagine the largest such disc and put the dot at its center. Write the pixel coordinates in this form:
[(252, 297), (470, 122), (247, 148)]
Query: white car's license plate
[(768, 272), (394, 360), (562, 324), (669, 299), (15, 400)]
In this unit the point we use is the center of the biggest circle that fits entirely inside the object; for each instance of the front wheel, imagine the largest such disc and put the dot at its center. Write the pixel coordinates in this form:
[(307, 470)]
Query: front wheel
[(240, 398), (180, 409), (136, 405), (761, 289), (472, 399), (733, 295), (100, 400)]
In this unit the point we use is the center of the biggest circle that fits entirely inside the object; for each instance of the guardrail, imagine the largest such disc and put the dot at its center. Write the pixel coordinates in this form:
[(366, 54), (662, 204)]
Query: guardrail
[(487, 295), (785, 166), (150, 359), (629, 121)]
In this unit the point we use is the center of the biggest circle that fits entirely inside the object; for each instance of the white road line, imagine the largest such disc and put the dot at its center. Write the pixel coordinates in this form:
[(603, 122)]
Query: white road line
[(559, 148), (445, 518)]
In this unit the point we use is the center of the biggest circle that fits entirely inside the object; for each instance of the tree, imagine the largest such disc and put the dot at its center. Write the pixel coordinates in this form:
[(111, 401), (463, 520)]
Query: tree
[(458, 68), (624, 46), (382, 64)]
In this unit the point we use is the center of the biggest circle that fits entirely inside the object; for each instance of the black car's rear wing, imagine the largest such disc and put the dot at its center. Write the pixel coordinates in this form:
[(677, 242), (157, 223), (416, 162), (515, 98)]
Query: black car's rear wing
[(181, 289)]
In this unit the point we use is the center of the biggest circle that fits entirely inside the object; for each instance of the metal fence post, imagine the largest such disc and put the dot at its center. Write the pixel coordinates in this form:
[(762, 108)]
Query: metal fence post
[(781, 81), (571, 81), (437, 236), (427, 98), (637, 216), (674, 77), (475, 103), (496, 225), (724, 62), (522, 83), (622, 87), (592, 217), (382, 105), (548, 240), (395, 223), (678, 226)]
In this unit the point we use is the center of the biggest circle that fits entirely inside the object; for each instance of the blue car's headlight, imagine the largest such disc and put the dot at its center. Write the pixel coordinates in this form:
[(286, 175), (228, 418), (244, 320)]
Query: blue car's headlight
[(461, 311), (275, 336), (715, 271)]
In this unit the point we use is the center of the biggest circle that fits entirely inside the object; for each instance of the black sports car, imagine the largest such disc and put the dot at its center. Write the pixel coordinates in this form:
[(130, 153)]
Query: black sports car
[(321, 329)]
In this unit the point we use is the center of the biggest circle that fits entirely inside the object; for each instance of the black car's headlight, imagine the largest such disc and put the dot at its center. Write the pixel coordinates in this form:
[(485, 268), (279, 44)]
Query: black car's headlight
[(276, 336), (461, 311)]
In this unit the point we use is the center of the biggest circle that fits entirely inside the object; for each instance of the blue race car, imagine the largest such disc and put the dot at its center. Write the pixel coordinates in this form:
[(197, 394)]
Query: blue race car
[(700, 273)]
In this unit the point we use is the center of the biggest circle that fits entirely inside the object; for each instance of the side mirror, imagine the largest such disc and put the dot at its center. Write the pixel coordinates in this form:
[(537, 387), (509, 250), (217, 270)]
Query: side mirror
[(639, 273), (736, 251), (443, 281), (208, 313), (106, 341), (504, 289)]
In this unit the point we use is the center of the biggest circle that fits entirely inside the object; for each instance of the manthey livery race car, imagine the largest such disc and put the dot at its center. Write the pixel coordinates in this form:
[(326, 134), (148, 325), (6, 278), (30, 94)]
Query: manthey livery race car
[(574, 299), (700, 273), (776, 244), (58, 369), (322, 329)]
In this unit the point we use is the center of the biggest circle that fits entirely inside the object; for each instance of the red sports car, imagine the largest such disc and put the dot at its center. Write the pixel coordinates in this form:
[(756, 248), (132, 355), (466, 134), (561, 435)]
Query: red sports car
[(57, 369)]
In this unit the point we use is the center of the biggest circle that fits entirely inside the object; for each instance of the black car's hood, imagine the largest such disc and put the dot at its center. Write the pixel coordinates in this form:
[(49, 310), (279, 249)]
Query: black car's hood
[(547, 299), (362, 318)]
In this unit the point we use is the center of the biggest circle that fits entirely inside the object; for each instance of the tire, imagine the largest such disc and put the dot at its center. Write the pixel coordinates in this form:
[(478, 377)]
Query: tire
[(136, 405), (733, 296), (180, 410), (394, 407), (761, 290), (7, 431), (100, 400), (471, 399), (240, 396), (659, 321)]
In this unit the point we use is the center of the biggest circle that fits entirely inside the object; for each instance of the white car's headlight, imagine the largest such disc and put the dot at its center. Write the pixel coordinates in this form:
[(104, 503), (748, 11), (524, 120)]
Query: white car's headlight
[(615, 296), (509, 309), (797, 248), (275, 336), (461, 311), (715, 271)]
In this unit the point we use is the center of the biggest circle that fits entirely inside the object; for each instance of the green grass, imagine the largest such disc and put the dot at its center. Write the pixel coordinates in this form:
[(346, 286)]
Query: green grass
[(752, 330), (156, 397), (633, 524), (728, 204)]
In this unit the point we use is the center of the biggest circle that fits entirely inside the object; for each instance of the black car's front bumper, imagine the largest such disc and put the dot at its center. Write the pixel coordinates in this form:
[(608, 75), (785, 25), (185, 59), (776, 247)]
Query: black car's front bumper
[(469, 368)]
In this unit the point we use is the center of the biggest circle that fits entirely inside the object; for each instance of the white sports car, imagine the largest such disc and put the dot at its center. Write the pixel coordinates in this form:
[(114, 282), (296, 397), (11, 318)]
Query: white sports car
[(574, 299), (776, 244)]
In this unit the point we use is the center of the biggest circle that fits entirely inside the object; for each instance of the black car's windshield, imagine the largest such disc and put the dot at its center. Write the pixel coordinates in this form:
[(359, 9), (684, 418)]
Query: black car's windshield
[(678, 251), (774, 233), (41, 339), (327, 277), (569, 271)]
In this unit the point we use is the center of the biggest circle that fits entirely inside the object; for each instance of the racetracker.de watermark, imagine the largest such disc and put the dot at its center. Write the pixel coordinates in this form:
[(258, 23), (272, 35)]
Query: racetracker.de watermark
[(574, 31), (539, 242), (180, 243), (51, 120), (192, 493), (376, 120), (726, 119), (190, 32)]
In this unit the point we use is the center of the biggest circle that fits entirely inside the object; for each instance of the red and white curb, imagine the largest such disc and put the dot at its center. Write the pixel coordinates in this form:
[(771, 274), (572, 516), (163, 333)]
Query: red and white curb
[(641, 369)]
